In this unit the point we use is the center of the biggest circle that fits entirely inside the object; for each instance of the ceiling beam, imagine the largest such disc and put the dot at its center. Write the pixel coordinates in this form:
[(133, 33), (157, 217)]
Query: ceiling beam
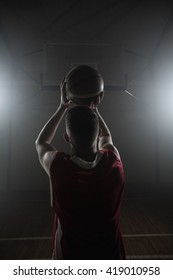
[(125, 11), (61, 15), (86, 18)]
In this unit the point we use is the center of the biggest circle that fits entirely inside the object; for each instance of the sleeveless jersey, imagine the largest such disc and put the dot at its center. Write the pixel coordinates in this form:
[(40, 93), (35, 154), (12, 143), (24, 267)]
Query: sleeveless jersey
[(87, 201)]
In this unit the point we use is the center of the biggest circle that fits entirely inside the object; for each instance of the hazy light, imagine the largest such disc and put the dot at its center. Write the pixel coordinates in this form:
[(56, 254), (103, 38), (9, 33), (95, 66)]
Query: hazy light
[(164, 91), (4, 99)]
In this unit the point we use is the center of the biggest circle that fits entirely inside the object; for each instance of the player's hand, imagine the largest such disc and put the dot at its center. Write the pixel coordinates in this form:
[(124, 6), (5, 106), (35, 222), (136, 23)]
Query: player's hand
[(65, 102), (94, 104)]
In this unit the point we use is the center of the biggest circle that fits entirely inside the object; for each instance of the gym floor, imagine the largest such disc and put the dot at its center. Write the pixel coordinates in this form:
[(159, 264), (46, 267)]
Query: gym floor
[(26, 228)]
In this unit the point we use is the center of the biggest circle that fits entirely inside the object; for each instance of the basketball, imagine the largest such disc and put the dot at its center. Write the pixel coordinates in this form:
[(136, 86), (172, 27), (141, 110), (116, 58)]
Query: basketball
[(83, 82)]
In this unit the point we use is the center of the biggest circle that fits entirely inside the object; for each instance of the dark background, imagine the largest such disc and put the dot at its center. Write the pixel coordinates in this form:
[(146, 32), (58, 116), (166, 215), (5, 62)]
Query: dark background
[(130, 42)]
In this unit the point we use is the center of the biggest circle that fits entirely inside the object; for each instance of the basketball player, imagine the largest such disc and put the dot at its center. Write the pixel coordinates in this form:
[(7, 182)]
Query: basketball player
[(86, 185)]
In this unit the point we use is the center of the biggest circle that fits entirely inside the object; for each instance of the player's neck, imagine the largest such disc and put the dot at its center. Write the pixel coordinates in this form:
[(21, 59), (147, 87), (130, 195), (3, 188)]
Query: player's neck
[(85, 154)]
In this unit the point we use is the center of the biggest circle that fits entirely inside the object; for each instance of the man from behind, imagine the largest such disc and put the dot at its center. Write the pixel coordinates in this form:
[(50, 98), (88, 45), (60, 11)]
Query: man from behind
[(86, 185)]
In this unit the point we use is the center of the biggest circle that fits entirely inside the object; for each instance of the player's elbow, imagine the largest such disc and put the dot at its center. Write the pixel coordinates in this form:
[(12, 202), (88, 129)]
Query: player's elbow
[(37, 143)]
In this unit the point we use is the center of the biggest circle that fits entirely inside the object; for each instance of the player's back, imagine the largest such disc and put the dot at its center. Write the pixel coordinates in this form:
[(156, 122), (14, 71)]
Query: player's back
[(86, 200)]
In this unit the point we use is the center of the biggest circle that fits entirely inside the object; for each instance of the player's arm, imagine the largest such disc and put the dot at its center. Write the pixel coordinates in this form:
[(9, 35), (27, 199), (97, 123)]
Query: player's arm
[(43, 142), (105, 138)]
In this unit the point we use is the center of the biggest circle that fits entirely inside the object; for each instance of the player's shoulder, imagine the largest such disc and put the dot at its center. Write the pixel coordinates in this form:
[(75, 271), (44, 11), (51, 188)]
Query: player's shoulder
[(57, 160), (112, 151), (58, 156)]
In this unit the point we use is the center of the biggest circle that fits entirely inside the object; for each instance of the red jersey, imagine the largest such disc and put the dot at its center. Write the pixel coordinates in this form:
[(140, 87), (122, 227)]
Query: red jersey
[(87, 203)]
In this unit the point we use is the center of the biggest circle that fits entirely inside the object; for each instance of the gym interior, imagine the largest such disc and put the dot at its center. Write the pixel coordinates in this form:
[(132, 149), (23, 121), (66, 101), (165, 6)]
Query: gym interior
[(130, 43)]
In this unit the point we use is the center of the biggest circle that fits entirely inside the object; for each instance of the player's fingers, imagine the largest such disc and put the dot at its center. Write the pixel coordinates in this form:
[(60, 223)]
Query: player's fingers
[(62, 82), (63, 89), (97, 101), (91, 105)]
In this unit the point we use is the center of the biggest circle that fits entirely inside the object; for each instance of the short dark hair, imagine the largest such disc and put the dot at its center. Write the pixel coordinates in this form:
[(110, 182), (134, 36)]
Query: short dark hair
[(83, 124)]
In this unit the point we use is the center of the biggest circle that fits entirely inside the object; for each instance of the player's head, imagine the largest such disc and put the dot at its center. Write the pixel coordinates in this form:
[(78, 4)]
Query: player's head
[(82, 127)]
